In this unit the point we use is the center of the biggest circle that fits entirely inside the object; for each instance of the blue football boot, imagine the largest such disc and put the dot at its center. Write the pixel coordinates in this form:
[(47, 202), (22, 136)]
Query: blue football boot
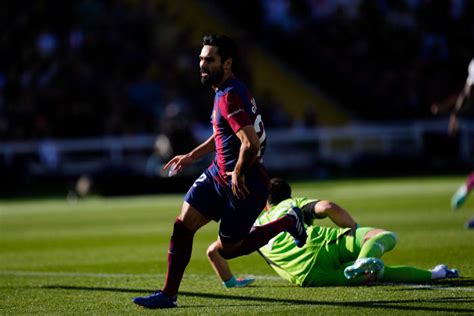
[(156, 300)]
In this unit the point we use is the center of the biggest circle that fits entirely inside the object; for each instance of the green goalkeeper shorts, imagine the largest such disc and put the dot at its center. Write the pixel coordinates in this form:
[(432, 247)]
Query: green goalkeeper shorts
[(334, 257)]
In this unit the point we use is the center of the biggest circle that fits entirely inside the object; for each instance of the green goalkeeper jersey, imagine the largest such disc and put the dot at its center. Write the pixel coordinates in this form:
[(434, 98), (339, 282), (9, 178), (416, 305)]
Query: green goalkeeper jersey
[(290, 262)]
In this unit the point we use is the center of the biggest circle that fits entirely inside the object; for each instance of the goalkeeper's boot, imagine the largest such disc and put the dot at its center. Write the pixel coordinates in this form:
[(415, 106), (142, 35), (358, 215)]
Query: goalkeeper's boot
[(298, 231), (239, 282), (448, 273), (459, 197), (156, 300), (363, 266)]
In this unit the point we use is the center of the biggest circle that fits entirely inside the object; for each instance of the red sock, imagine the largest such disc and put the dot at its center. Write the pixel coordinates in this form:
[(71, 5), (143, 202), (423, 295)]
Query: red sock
[(470, 181), (259, 236), (179, 254)]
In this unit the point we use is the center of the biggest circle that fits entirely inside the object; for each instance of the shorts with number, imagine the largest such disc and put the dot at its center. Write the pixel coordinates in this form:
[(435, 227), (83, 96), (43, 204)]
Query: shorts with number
[(217, 202)]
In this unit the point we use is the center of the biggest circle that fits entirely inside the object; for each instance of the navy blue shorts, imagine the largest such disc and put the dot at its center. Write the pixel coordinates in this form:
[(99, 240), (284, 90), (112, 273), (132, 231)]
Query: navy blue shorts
[(217, 202)]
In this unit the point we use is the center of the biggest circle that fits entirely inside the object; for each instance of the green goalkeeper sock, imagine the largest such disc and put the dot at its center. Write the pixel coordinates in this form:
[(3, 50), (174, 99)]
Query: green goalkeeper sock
[(401, 274), (379, 244)]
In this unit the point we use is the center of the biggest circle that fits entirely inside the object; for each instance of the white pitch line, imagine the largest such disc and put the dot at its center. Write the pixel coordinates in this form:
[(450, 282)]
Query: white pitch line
[(195, 276), (78, 274), (115, 275)]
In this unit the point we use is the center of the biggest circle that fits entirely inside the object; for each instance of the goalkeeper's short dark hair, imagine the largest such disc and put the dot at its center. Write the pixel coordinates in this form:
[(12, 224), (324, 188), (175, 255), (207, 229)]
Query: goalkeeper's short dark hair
[(280, 190)]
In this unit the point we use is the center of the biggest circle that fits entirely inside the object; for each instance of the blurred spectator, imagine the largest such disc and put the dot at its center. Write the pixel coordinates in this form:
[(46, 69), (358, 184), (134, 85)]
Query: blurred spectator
[(87, 68), (49, 155), (146, 95), (81, 189), (362, 53), (162, 152), (46, 44), (176, 124), (277, 14), (272, 111), (310, 118)]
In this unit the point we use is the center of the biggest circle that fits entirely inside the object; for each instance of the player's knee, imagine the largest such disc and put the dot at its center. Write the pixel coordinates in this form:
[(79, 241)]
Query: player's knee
[(180, 228), (231, 251), (394, 237), (212, 251), (226, 254), (390, 239)]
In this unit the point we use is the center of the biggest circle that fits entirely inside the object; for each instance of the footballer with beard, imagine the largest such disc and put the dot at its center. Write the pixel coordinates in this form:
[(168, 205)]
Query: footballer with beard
[(234, 189)]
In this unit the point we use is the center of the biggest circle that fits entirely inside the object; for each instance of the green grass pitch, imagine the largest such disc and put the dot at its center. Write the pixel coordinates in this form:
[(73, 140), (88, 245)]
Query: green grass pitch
[(94, 256)]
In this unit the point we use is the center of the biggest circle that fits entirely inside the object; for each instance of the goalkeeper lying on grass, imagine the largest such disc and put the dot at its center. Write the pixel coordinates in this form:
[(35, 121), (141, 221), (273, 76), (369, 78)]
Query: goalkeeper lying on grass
[(348, 255)]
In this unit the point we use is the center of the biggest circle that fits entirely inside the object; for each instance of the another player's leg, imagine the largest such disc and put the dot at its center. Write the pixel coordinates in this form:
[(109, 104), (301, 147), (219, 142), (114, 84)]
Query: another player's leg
[(408, 274), (298, 231), (260, 235), (374, 243), (238, 282), (399, 274), (292, 222), (222, 269), (179, 254), (462, 192)]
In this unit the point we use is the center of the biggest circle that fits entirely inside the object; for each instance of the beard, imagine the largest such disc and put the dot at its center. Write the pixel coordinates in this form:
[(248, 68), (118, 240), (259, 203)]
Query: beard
[(213, 78)]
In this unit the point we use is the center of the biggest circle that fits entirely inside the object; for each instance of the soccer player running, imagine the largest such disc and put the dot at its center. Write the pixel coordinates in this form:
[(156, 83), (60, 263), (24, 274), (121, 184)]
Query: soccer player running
[(331, 256), (235, 187), (457, 105)]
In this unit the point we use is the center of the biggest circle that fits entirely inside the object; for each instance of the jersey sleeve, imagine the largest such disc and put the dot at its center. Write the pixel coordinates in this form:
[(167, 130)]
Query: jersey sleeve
[(307, 208), (301, 201), (233, 110)]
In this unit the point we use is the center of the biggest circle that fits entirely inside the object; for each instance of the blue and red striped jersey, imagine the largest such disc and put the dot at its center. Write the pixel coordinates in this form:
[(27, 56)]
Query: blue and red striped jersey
[(234, 108)]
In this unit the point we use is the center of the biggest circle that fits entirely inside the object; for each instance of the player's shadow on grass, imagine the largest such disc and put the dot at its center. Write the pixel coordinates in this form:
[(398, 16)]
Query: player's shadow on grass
[(442, 284), (382, 304), (456, 282)]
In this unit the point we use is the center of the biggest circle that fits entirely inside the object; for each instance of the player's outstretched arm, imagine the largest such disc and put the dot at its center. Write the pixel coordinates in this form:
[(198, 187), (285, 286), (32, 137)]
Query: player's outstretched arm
[(179, 162), (337, 214)]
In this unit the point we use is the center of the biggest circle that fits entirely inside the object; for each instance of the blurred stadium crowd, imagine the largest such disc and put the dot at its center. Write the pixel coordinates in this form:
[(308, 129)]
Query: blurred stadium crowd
[(84, 68), (381, 59)]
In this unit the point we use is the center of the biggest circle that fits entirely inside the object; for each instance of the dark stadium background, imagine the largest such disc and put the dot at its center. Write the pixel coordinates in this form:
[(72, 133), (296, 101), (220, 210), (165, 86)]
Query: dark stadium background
[(96, 95)]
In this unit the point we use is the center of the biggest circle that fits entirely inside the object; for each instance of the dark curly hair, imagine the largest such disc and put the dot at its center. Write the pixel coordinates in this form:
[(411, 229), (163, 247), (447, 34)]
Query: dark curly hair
[(279, 190), (226, 46)]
